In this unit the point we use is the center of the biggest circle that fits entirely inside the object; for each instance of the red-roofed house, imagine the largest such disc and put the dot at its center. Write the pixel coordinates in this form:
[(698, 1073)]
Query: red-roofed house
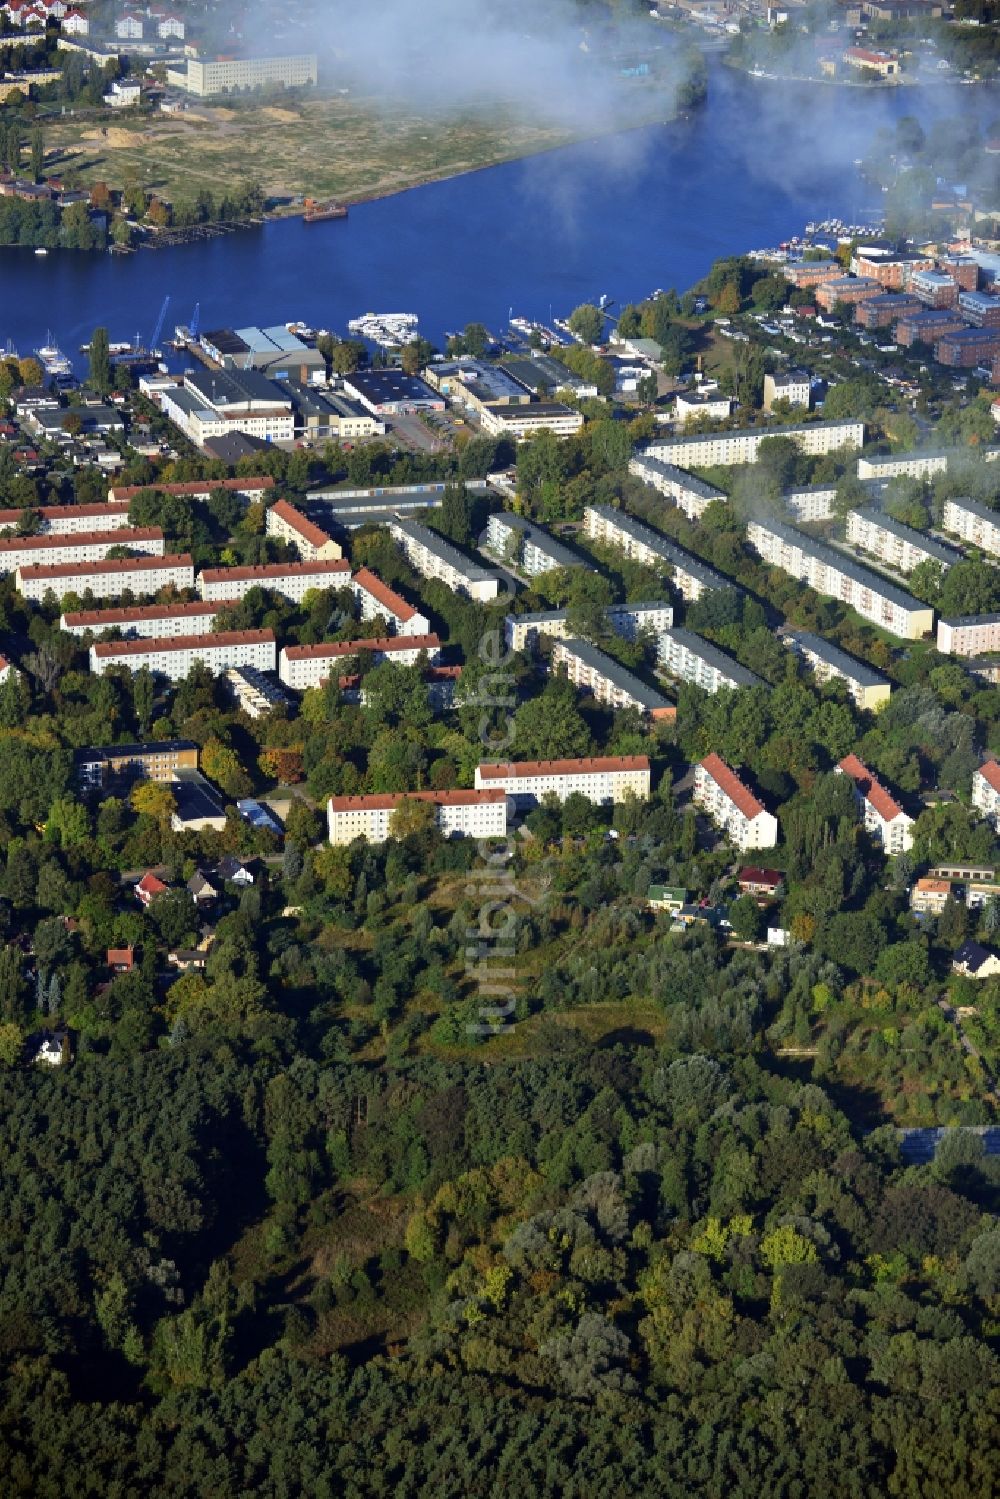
[(458, 814), (883, 817), (379, 601), (148, 888), (986, 790), (121, 959), (302, 666), (765, 884), (732, 806), (312, 543)]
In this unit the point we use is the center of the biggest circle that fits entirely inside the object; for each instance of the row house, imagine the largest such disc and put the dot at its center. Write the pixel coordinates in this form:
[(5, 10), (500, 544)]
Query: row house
[(689, 658), (587, 667), (148, 621), (897, 545), (174, 656), (302, 666), (690, 576), (378, 601), (457, 814), (142, 576), (690, 494), (973, 522), (84, 546), (293, 580), (433, 557), (883, 817), (830, 572), (732, 806), (288, 524), (603, 780), (868, 689)]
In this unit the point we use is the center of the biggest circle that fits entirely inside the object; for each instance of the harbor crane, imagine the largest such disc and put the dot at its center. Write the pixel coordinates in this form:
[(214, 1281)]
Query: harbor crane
[(195, 319), (154, 342)]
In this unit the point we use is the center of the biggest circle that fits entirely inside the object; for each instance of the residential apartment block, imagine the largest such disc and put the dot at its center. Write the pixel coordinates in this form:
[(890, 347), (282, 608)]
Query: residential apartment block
[(109, 579), (896, 465), (690, 494), (293, 580), (434, 557), (458, 814), (929, 896), (969, 635), (603, 781), (174, 656), (379, 601), (691, 659), (828, 571), (254, 488), (69, 520), (521, 422), (210, 77), (302, 666), (310, 540), (814, 502), (828, 662), (650, 617), (986, 790), (81, 546), (734, 809), (147, 621), (883, 817), (522, 631), (793, 386), (814, 439), (527, 547), (974, 523), (160, 760), (897, 545), (690, 576), (589, 668)]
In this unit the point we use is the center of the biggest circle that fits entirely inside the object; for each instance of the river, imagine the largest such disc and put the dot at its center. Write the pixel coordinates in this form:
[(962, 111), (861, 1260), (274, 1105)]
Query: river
[(619, 216)]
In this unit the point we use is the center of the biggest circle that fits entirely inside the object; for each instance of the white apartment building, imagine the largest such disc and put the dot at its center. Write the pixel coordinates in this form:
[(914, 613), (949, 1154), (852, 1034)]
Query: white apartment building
[(689, 658), (250, 488), (615, 528), (209, 77), (690, 494), (975, 523), (70, 520), (106, 580), (302, 666), (293, 580), (312, 543), (986, 790), (793, 386), (912, 465), (897, 545), (83, 546), (969, 635), (434, 557), (733, 808), (527, 547), (521, 422), (690, 405), (650, 617), (883, 817), (458, 814), (814, 439), (379, 601), (174, 656), (587, 667), (602, 780), (868, 689), (147, 621), (814, 502), (830, 572), (522, 632)]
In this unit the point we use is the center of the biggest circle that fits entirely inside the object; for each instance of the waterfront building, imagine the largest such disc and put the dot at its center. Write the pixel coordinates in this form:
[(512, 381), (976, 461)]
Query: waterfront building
[(603, 780), (691, 659), (174, 656), (293, 580), (108, 579), (690, 494), (732, 806), (302, 666), (830, 572), (611, 684), (391, 393), (434, 557), (867, 687), (288, 524), (458, 814), (897, 545), (814, 439), (883, 817), (217, 403)]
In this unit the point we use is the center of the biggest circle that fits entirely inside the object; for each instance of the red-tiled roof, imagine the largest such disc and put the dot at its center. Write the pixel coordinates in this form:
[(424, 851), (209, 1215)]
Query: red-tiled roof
[(106, 648), (753, 876), (151, 884), (109, 565), (384, 802), (333, 648), (54, 513), (274, 570), (397, 606), (306, 528), (199, 486), (990, 772), (106, 619), (122, 537), (741, 796), (871, 789), (606, 764)]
